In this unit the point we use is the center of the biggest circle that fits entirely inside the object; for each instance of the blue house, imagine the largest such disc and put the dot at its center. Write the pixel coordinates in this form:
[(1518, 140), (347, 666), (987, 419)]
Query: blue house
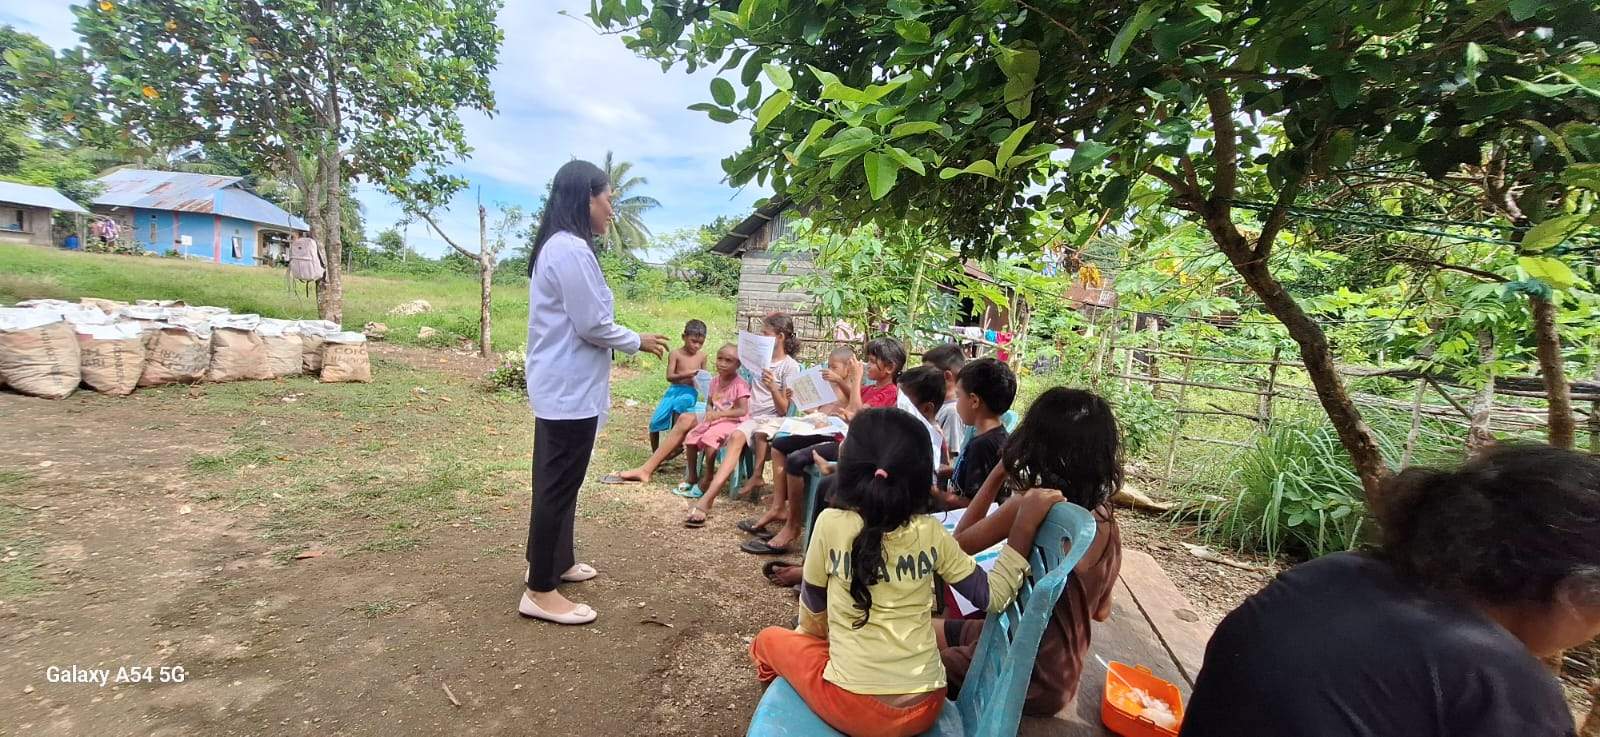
[(201, 216)]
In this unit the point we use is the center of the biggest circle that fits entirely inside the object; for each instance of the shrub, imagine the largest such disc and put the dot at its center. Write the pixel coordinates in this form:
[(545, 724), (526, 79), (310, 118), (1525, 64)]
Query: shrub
[(511, 374), (1295, 491), (1144, 420)]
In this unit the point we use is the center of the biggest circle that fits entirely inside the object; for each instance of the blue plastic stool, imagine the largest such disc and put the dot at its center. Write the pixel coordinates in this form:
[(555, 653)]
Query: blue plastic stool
[(990, 704)]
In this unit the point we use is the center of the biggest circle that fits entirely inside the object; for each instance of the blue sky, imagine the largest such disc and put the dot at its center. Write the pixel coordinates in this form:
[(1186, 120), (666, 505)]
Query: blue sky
[(562, 90)]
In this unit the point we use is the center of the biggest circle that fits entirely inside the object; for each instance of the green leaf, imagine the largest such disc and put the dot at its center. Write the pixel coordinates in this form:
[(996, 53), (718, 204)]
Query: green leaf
[(1524, 9), (817, 129), (1340, 147), (845, 93), (1009, 146), (728, 18), (1544, 89), (826, 78), (1549, 270), (914, 31), (1210, 12), (748, 10), (1124, 39), (1475, 56), (777, 103), (1087, 154), (722, 115), (982, 167), (848, 141), (882, 171), (1550, 233), (779, 76), (1021, 68), (913, 128), (1345, 87), (907, 160), (722, 91)]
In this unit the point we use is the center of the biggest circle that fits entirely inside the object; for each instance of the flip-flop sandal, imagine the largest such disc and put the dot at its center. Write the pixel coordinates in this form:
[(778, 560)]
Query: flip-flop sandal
[(583, 614), (612, 479), (762, 547), (693, 492), (749, 525), (681, 488), (770, 570), (694, 524)]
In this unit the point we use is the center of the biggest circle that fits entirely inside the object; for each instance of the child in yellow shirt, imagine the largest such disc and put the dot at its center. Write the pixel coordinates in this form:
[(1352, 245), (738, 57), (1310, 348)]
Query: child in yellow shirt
[(865, 657)]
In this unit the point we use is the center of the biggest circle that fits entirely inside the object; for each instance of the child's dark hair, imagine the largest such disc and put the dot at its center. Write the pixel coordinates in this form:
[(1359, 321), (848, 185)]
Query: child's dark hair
[(1068, 441), (783, 325), (888, 350), (923, 385), (883, 476), (991, 381), (1509, 527), (947, 357), (694, 329)]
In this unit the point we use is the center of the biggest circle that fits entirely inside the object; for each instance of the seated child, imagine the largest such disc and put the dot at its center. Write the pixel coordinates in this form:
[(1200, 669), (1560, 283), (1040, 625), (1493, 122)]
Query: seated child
[(728, 405), (949, 359), (680, 397), (985, 389), (840, 363), (864, 657), (922, 390), (769, 404), (1068, 442), (886, 358)]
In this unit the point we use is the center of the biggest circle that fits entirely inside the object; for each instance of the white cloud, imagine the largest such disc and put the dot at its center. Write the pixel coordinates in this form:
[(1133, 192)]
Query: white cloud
[(562, 90)]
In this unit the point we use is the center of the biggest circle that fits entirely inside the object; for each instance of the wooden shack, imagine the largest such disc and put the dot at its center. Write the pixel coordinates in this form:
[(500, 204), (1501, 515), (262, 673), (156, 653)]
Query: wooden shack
[(764, 272)]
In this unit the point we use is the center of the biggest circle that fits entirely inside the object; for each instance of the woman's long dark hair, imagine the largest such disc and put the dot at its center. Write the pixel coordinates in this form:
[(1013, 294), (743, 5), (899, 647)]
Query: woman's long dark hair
[(567, 208), (1508, 527), (1068, 441), (783, 325), (884, 472)]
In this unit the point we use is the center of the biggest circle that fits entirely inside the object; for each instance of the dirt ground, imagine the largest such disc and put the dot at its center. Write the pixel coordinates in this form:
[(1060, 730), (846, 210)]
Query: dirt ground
[(345, 560)]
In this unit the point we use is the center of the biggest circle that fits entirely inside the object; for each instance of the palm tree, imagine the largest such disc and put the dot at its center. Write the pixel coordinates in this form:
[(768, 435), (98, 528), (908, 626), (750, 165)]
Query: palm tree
[(628, 231)]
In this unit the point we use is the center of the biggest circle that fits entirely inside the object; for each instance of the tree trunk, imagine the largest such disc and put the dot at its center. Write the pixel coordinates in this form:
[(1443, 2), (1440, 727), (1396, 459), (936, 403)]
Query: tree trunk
[(1353, 432), (1479, 436), (330, 291), (1562, 425), (486, 277)]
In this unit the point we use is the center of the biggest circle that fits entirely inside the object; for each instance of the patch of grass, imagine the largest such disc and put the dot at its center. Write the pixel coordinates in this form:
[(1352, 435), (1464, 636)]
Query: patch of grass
[(19, 556), (391, 544), (10, 478)]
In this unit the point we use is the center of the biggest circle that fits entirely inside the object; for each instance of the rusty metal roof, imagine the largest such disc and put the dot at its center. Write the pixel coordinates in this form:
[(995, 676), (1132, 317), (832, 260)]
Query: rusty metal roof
[(184, 192)]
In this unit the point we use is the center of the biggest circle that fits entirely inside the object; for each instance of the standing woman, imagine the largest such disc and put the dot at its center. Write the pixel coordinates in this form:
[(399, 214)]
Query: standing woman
[(572, 331)]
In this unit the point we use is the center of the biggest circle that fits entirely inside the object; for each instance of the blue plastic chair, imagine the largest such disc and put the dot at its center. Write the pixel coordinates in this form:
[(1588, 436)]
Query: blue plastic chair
[(991, 698)]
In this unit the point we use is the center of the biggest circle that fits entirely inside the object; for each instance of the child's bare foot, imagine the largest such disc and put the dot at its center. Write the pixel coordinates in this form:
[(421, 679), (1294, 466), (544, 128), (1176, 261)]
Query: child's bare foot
[(696, 518), (782, 574), (633, 475), (750, 487)]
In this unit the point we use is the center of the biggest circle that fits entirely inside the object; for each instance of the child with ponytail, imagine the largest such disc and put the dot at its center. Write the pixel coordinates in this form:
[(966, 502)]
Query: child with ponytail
[(865, 657)]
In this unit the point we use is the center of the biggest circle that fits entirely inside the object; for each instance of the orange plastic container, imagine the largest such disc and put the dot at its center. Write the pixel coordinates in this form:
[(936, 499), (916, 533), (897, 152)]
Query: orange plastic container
[(1118, 709)]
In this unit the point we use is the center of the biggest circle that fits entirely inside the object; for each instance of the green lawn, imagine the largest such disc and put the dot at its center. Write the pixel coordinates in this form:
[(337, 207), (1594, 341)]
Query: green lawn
[(28, 272)]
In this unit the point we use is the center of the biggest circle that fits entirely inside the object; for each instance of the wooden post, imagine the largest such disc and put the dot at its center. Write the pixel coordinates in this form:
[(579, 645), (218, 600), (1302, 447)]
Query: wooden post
[(1594, 447), (1177, 424), (1416, 424), (1103, 340), (1127, 353), (1265, 406), (916, 293)]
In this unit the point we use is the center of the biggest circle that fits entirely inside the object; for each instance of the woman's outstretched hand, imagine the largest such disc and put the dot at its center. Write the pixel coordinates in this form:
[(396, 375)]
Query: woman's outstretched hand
[(653, 344)]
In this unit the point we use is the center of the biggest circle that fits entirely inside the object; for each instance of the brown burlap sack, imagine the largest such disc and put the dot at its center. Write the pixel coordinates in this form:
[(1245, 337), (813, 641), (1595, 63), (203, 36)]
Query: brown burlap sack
[(174, 354), (108, 306), (344, 358), (38, 353), (111, 356), (311, 334), (237, 355), (285, 347)]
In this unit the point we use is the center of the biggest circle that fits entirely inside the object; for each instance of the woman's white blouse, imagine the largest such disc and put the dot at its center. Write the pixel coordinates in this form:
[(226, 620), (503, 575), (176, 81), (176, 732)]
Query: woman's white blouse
[(572, 330)]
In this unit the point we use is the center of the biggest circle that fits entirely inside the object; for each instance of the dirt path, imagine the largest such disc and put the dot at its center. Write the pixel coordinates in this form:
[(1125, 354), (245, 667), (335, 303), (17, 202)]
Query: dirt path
[(126, 545)]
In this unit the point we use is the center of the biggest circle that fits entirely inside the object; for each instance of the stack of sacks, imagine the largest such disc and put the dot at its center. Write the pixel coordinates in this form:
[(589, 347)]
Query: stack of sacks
[(311, 334), (344, 358), (38, 353), (284, 344), (237, 352), (108, 306)]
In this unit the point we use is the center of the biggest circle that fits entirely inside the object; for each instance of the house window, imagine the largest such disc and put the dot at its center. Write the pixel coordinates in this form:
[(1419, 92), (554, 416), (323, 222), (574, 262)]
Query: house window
[(238, 247), (14, 219)]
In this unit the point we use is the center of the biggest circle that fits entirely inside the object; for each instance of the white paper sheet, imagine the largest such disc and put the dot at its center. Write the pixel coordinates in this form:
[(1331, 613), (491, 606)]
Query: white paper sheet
[(986, 558), (812, 391), (755, 353), (812, 425)]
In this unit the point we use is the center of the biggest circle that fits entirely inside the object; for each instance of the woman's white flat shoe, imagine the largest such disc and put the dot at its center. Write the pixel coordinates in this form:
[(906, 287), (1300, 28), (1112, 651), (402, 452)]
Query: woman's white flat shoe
[(578, 572), (583, 614)]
